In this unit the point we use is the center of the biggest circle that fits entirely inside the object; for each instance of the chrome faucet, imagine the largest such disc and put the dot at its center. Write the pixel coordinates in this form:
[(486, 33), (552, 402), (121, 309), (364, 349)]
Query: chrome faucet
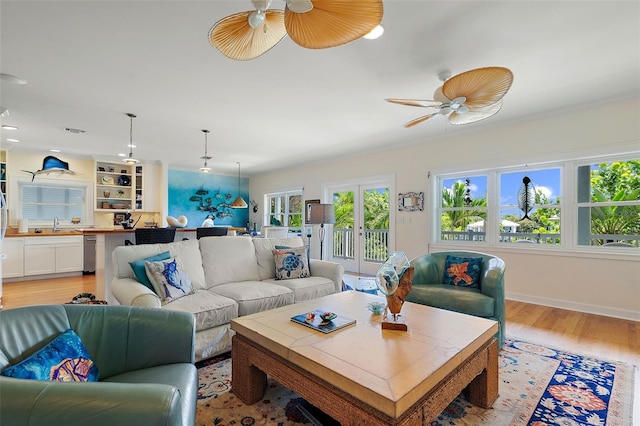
[(56, 223)]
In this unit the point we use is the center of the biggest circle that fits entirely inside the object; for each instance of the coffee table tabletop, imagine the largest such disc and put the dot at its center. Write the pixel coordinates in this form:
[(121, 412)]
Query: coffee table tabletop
[(386, 369)]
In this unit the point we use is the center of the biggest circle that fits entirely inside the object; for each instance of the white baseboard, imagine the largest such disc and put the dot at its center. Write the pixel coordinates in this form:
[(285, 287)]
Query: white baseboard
[(574, 306)]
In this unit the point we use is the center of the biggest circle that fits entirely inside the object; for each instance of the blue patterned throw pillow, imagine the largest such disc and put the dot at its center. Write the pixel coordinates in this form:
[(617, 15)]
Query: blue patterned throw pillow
[(64, 359), (169, 279), (141, 273), (462, 271), (291, 263)]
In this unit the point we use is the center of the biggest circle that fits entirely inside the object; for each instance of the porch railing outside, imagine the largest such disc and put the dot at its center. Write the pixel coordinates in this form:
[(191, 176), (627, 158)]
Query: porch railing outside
[(536, 237), (376, 241), (376, 244)]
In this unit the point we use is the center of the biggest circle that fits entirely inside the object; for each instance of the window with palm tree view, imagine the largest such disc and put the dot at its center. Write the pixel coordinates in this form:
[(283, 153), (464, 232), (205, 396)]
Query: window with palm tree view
[(529, 206)]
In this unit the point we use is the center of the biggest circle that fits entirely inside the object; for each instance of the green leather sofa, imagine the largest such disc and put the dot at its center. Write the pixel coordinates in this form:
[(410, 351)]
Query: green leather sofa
[(144, 357), (487, 302)]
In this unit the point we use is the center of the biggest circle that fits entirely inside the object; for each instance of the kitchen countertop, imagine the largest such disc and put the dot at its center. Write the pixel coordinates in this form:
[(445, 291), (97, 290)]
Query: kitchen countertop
[(48, 232)]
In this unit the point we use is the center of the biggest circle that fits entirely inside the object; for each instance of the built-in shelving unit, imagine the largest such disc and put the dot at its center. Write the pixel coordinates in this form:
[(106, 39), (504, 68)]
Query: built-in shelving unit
[(3, 172), (116, 186)]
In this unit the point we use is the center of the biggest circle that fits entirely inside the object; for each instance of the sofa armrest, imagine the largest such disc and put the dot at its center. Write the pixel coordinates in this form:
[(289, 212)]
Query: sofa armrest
[(128, 291), (33, 402), (326, 269)]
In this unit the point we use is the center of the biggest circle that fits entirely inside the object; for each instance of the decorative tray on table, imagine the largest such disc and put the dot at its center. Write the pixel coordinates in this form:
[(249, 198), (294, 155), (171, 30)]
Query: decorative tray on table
[(323, 321)]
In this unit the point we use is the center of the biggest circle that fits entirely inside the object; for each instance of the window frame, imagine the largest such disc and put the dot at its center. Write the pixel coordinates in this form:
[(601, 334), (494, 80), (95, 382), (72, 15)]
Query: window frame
[(568, 205), (86, 187), (285, 213)]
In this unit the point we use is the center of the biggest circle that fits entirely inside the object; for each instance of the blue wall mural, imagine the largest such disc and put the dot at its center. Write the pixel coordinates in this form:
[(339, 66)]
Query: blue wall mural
[(197, 195)]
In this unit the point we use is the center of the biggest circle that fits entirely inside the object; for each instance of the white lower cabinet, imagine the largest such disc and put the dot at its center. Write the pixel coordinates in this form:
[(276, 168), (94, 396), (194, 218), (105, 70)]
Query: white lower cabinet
[(13, 260), (51, 255)]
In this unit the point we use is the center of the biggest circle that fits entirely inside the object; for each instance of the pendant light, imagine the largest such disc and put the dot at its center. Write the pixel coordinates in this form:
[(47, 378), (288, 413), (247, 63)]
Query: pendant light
[(205, 168), (239, 203), (130, 159)]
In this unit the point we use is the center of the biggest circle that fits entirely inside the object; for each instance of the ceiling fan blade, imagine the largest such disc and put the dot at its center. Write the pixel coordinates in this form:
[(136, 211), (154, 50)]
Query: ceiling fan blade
[(482, 86), (234, 37), (439, 96), (415, 102), (333, 23), (419, 120), (474, 115)]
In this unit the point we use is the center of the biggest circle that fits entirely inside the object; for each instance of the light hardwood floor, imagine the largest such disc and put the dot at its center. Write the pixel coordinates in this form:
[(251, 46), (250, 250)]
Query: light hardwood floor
[(577, 332)]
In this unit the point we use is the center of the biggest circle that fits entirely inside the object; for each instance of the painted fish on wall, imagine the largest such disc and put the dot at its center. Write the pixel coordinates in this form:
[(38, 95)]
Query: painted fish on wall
[(52, 164), (526, 197)]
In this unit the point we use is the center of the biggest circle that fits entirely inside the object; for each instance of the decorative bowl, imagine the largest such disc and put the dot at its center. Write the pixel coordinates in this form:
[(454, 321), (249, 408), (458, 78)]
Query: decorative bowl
[(376, 307), (328, 316)]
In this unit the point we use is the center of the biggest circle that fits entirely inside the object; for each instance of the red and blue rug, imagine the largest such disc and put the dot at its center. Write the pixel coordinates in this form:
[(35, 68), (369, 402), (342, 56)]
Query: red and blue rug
[(539, 386)]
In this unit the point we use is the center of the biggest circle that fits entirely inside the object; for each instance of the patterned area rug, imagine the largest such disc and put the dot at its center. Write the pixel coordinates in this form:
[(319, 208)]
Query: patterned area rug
[(539, 386)]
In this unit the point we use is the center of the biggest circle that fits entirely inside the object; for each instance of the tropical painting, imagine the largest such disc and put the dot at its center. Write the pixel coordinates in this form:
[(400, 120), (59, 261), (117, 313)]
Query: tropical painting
[(197, 195)]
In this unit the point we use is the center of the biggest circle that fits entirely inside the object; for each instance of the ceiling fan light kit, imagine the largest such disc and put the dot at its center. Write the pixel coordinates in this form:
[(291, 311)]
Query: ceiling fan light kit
[(313, 24), (465, 98)]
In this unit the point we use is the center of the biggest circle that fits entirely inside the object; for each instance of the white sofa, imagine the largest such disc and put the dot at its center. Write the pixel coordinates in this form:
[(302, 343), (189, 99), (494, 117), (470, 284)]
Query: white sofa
[(232, 276)]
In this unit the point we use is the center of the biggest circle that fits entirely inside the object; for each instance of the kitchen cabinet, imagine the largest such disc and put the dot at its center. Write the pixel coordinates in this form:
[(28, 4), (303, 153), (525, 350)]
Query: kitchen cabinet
[(13, 263), (53, 255)]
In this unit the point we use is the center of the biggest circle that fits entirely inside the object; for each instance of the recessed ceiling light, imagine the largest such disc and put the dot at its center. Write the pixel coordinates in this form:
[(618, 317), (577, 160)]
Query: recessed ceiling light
[(7, 127), (121, 155), (374, 33), (54, 150), (12, 140), (12, 79), (132, 145)]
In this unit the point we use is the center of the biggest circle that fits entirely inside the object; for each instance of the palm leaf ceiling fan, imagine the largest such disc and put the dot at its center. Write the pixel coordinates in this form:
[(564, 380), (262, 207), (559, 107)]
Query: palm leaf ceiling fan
[(314, 24), (466, 98)]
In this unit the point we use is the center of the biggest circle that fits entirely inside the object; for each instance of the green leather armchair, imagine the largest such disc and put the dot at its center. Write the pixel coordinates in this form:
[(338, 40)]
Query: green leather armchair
[(488, 301), (144, 356)]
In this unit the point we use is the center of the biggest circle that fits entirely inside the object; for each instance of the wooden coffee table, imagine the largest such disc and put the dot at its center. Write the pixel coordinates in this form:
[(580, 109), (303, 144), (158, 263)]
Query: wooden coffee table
[(361, 374)]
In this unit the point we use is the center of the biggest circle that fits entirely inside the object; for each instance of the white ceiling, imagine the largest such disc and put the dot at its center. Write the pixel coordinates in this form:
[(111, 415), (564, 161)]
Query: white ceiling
[(88, 63)]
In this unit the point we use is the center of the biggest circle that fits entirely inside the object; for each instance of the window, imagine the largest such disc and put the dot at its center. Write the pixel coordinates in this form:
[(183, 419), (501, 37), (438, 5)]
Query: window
[(609, 203), (285, 209), (463, 211), (530, 206), (41, 202), (562, 204)]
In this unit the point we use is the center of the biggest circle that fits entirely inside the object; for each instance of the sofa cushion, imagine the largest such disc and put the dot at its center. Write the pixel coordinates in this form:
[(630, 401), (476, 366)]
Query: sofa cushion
[(255, 296), (228, 260), (140, 271), (462, 271), (459, 299), (64, 359), (291, 263), (306, 288), (188, 251), (209, 309), (264, 253), (169, 279)]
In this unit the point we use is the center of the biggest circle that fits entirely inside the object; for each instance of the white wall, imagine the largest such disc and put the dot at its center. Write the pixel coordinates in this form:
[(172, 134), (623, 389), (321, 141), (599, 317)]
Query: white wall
[(593, 282)]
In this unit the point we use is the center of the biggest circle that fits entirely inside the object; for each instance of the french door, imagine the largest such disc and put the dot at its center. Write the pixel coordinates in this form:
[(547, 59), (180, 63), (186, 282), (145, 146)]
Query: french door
[(362, 235)]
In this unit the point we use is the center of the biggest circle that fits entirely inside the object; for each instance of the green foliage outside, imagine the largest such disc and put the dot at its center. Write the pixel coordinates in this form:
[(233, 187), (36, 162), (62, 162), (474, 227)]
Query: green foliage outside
[(457, 220), (616, 182), (376, 217)]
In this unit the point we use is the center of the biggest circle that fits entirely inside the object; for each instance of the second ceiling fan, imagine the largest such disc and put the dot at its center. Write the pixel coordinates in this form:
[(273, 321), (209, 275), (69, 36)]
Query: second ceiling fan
[(466, 98), (314, 24)]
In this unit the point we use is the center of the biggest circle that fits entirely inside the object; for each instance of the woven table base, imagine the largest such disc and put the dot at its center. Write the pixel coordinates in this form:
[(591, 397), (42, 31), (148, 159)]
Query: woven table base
[(477, 375)]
